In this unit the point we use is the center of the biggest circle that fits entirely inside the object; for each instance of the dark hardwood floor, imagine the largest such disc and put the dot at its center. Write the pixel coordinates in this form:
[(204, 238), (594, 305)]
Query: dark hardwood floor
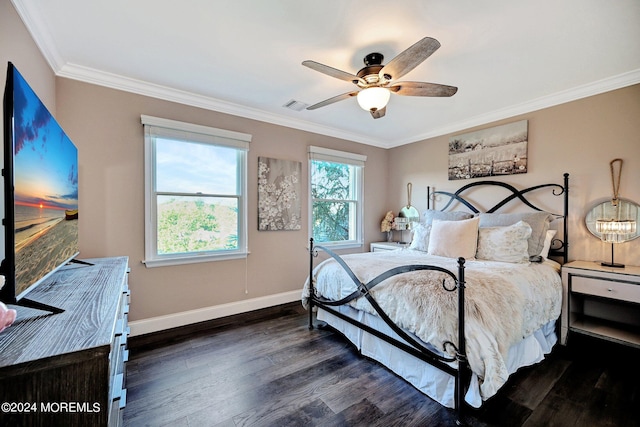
[(267, 369)]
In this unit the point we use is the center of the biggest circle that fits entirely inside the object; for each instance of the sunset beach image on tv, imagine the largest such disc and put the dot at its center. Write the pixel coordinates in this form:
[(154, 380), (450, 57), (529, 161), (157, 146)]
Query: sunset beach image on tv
[(45, 177)]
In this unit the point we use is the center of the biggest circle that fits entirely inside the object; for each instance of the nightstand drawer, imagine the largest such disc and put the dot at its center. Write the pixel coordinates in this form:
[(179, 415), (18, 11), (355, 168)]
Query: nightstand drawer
[(606, 288), (386, 246)]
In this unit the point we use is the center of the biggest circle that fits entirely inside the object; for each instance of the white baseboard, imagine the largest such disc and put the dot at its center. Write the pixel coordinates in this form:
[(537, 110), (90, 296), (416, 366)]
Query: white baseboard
[(160, 323)]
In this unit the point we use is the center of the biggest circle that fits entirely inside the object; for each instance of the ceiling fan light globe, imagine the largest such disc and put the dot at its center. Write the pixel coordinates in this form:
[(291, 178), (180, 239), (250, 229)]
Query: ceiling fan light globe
[(373, 98)]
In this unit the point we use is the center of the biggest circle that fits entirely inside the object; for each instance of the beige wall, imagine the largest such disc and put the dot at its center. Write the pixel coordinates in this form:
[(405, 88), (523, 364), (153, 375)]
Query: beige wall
[(105, 125), (579, 137)]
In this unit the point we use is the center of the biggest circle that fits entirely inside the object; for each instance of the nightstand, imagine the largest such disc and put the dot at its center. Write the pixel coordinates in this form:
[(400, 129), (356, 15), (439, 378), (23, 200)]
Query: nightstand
[(386, 246), (599, 301)]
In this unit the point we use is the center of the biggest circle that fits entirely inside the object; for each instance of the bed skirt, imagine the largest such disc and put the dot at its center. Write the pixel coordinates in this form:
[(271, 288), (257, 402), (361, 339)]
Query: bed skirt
[(430, 380)]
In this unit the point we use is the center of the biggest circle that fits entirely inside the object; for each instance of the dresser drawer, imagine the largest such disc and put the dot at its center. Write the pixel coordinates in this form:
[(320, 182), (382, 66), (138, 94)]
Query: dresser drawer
[(606, 288)]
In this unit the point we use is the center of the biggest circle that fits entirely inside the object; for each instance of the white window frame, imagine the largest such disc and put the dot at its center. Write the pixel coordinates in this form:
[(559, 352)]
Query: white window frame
[(353, 159), (171, 129)]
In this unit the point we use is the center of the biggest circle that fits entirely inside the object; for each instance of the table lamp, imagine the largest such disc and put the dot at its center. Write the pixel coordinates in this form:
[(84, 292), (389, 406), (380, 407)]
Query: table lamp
[(615, 231)]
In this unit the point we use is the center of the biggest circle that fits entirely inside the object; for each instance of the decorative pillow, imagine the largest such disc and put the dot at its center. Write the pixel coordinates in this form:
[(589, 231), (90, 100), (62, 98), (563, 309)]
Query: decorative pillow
[(547, 243), (430, 214), (454, 239), (505, 244), (420, 240), (422, 230), (539, 222)]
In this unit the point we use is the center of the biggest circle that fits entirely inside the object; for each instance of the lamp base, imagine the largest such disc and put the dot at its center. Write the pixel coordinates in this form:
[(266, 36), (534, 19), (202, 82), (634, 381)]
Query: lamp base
[(612, 264)]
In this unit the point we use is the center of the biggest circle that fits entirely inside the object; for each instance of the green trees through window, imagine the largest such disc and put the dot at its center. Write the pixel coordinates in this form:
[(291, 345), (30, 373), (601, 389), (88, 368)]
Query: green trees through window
[(334, 194), (193, 224)]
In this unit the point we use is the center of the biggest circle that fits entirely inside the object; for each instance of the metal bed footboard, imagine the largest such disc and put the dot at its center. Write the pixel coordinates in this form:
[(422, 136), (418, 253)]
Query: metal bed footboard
[(410, 345)]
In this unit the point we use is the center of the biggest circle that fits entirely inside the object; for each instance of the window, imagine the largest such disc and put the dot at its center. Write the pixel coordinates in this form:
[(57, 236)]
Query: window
[(195, 193), (336, 196)]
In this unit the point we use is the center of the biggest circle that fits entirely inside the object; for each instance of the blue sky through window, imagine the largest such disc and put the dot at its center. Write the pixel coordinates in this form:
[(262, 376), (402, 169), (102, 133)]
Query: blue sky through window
[(191, 167)]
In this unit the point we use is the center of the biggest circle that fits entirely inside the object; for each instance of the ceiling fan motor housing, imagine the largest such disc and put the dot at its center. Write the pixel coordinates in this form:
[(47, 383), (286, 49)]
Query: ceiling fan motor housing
[(370, 74)]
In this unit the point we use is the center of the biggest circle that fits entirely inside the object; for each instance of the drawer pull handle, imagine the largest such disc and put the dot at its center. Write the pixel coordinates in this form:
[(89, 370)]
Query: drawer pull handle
[(610, 290)]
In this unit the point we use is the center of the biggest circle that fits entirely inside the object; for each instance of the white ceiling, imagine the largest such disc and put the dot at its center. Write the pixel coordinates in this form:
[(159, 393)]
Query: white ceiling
[(244, 57)]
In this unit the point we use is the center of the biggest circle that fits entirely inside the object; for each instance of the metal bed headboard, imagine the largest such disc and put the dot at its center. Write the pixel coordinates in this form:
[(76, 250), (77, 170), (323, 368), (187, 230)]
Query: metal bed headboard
[(559, 247)]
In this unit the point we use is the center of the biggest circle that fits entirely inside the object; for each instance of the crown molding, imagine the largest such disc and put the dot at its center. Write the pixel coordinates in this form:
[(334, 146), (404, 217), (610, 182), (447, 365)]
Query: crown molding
[(114, 81), (595, 88), (140, 87), (37, 29)]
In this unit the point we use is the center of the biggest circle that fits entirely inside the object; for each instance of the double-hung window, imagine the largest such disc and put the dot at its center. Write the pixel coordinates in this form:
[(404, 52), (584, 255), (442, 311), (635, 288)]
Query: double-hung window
[(195, 193), (336, 196)]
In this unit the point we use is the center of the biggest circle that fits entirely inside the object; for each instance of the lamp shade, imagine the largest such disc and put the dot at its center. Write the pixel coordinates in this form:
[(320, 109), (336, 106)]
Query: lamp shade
[(616, 231), (373, 98)]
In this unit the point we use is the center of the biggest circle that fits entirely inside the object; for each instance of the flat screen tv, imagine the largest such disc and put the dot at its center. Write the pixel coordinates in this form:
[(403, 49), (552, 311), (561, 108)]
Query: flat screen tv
[(40, 194)]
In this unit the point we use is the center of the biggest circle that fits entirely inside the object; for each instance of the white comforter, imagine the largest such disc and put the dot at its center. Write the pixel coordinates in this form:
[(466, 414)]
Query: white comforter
[(504, 303)]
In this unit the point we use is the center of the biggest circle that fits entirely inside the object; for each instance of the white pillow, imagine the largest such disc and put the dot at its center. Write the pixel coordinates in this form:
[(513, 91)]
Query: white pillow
[(420, 240), (539, 222), (454, 239), (505, 244), (547, 243)]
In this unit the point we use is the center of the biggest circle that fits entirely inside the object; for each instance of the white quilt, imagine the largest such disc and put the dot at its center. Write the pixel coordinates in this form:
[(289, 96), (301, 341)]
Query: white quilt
[(505, 302)]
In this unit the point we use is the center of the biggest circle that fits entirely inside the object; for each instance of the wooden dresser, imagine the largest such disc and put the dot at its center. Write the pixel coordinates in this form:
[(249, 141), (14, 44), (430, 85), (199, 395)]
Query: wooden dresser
[(69, 368)]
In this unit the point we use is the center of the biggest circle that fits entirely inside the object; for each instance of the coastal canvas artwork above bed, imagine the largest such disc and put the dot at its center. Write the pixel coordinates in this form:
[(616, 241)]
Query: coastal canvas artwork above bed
[(279, 205), (500, 150)]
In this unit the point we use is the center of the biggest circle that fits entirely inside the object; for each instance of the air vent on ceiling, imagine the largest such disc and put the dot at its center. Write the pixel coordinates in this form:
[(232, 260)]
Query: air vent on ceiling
[(295, 105)]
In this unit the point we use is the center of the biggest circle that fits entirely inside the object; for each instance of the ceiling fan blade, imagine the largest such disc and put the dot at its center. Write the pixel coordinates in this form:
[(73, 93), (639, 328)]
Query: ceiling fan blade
[(379, 113), (409, 59), (332, 100), (333, 72), (422, 89)]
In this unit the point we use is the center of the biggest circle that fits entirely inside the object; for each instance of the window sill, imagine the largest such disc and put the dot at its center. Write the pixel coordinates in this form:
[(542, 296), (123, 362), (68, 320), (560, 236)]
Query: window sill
[(165, 262)]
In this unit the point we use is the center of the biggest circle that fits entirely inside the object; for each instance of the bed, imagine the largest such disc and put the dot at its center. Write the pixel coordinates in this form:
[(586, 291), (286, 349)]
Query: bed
[(474, 297)]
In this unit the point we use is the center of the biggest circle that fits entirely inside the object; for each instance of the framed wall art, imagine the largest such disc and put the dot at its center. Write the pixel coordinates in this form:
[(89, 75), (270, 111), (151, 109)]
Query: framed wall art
[(500, 150), (279, 206)]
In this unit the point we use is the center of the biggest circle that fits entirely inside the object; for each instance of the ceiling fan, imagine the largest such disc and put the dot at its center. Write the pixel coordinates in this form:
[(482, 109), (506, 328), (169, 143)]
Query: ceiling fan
[(376, 82)]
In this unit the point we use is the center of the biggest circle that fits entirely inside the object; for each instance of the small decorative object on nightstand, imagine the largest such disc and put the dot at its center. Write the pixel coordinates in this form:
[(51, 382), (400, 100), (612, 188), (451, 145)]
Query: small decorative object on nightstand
[(601, 301), (386, 226)]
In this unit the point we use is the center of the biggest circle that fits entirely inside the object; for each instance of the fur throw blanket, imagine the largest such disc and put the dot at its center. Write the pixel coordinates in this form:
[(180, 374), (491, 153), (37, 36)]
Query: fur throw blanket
[(504, 303)]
